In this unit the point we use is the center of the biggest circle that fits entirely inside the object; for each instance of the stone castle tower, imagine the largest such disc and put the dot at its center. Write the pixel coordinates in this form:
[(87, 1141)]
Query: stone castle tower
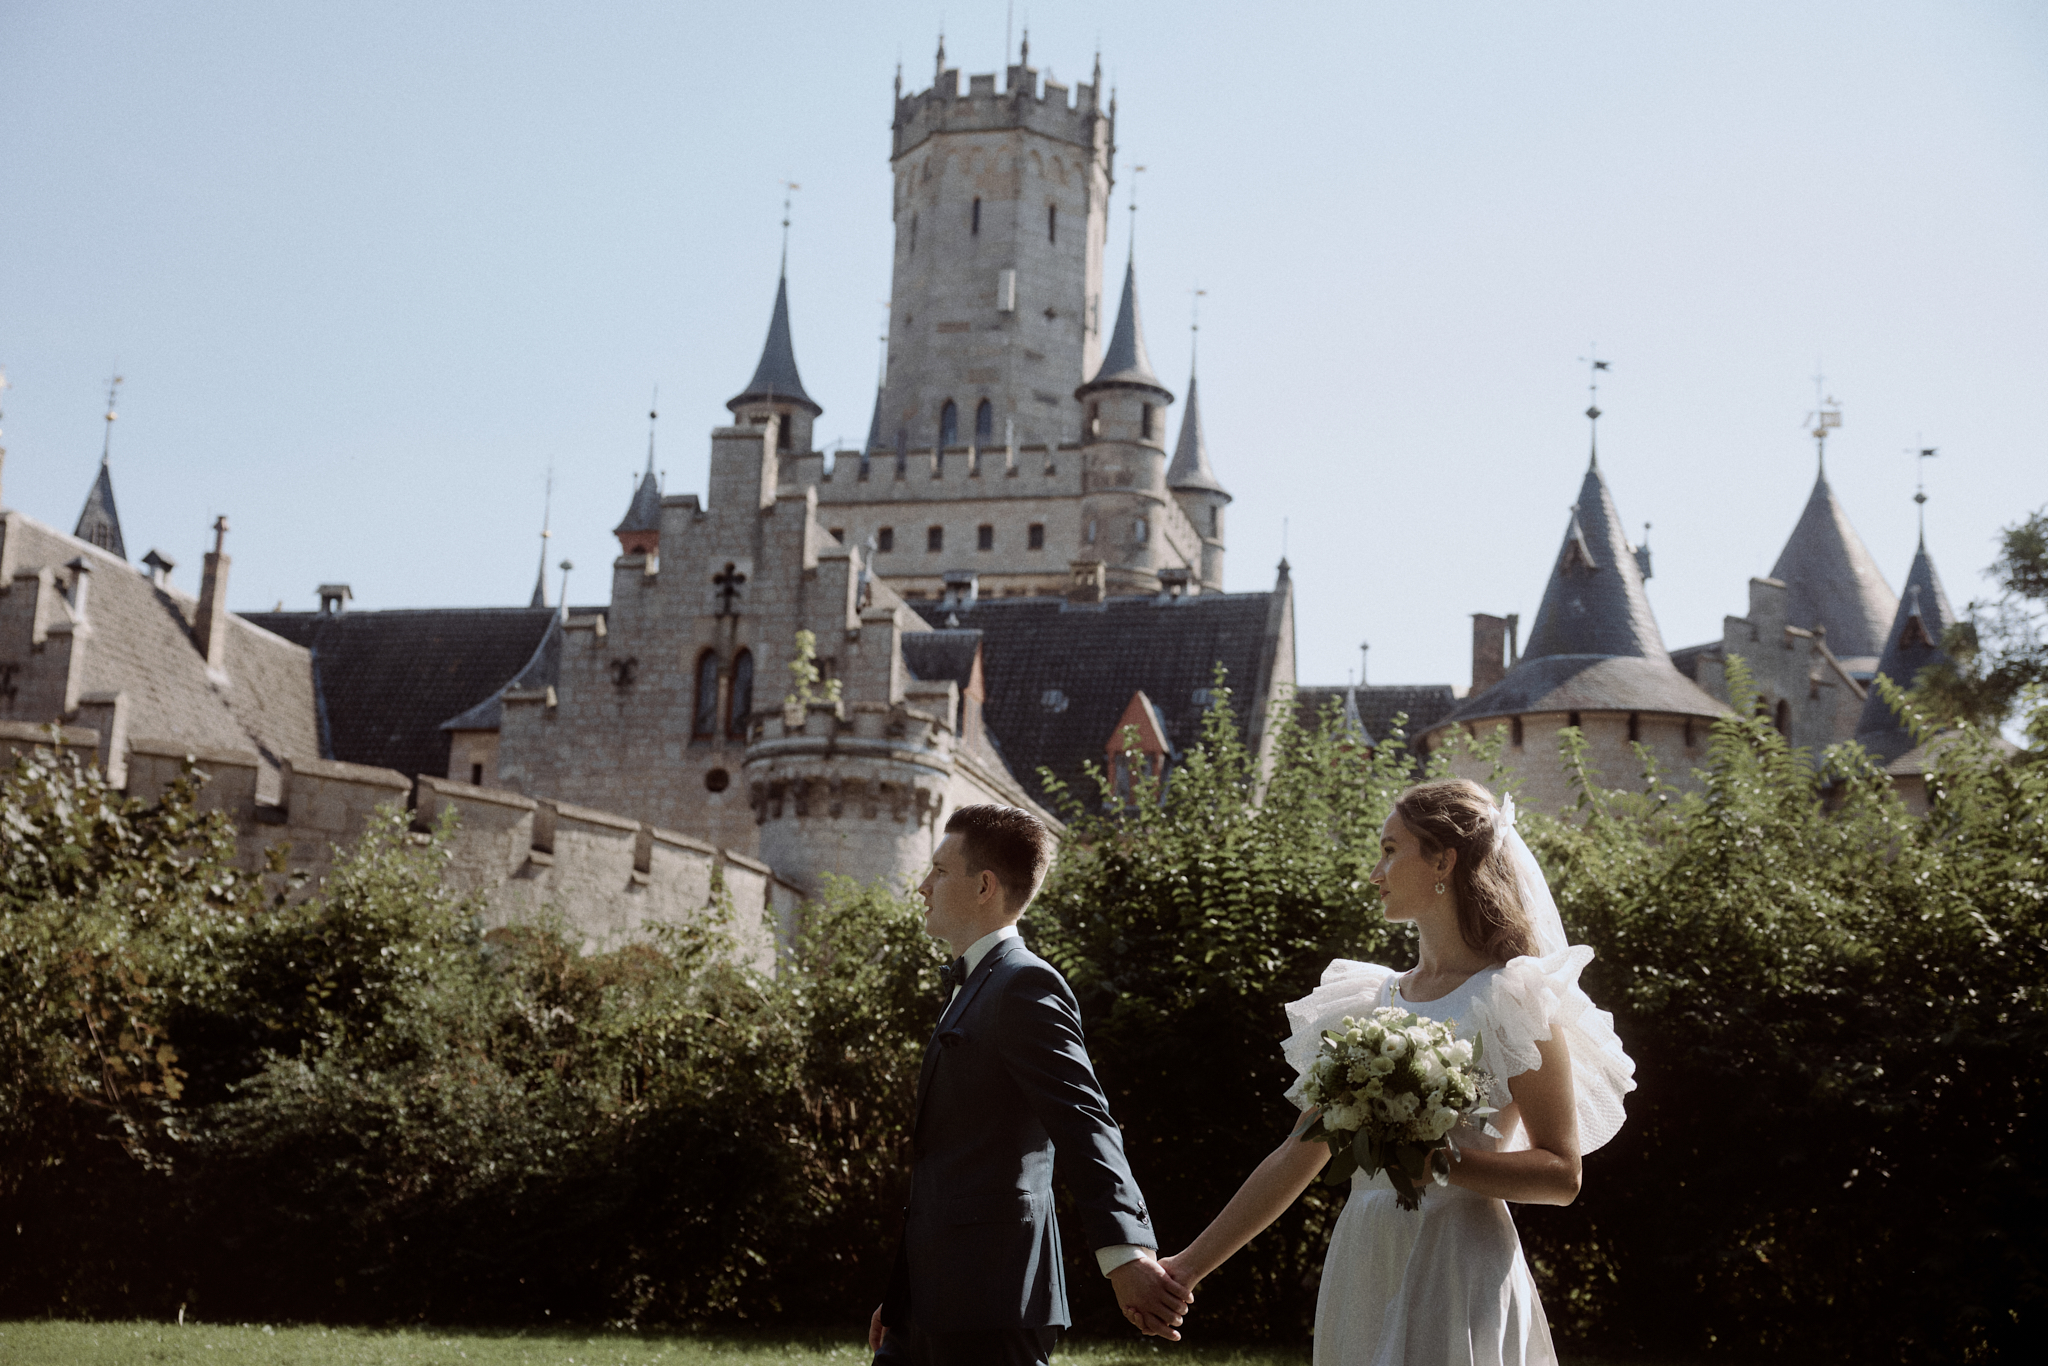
[(1011, 453)]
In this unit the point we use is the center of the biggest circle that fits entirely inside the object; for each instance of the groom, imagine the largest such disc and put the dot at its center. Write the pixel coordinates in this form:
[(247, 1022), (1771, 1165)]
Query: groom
[(1006, 1085)]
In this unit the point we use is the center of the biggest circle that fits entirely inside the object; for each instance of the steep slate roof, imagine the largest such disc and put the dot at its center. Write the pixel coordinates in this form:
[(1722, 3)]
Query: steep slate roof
[(776, 377), (1830, 580), (1595, 603), (1058, 675), (1595, 645), (542, 670), (1190, 468), (98, 522), (644, 512), (387, 680), (140, 644), (932, 656), (1373, 707), (1125, 364), (1913, 643), (875, 425)]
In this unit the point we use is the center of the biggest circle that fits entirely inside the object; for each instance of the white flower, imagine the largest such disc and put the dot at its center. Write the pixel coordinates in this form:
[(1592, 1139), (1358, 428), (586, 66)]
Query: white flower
[(1430, 1068), (1460, 1053), (1395, 1045), (1379, 1066), (1373, 1089), (1441, 1121), (1403, 1106)]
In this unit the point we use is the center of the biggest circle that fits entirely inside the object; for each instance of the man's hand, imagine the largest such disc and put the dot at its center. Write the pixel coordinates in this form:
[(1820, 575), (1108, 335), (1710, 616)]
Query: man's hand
[(1153, 1301), (875, 1331)]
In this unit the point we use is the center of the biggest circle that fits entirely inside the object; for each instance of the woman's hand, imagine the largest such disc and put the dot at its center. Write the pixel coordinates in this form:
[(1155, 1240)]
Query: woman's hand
[(1178, 1267)]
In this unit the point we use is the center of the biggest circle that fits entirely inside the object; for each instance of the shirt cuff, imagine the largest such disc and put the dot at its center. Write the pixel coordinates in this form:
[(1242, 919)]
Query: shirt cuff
[(1117, 1254)]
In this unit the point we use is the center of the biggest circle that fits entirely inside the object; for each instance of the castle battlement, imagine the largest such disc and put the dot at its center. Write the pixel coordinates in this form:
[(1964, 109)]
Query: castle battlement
[(1023, 104)]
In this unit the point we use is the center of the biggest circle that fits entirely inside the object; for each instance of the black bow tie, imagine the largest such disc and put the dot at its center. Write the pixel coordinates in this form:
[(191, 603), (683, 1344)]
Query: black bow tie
[(954, 974)]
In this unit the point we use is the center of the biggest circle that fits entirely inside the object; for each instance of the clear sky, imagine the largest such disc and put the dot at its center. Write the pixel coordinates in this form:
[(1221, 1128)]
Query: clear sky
[(369, 269)]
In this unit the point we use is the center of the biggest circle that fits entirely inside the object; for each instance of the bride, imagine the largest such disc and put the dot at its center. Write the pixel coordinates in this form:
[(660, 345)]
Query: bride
[(1448, 1282)]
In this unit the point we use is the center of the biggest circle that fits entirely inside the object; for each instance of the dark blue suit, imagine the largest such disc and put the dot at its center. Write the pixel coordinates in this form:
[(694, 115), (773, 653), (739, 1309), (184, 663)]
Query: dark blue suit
[(1006, 1084)]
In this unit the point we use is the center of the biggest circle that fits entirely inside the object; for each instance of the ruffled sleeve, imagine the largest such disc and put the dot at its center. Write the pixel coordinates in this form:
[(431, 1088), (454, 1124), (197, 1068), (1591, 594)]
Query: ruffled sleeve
[(1348, 988), (1531, 999)]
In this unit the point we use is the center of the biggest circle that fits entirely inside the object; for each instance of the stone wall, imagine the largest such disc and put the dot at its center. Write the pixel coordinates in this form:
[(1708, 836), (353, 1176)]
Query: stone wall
[(1809, 693), (1677, 745)]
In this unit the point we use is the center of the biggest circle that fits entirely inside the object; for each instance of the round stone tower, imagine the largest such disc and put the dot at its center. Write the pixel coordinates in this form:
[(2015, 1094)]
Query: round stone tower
[(1128, 517)]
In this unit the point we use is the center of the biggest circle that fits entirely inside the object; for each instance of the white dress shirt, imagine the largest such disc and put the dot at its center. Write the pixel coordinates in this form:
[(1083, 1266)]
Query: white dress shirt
[(1116, 1254)]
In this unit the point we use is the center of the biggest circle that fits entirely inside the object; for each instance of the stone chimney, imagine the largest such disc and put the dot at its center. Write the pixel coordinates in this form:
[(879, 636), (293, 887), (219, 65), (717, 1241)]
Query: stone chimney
[(210, 624), (160, 567), (81, 585), (1493, 649)]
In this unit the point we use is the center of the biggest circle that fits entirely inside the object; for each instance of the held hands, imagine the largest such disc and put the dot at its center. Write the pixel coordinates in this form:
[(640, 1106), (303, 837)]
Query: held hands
[(1152, 1299), (1182, 1271)]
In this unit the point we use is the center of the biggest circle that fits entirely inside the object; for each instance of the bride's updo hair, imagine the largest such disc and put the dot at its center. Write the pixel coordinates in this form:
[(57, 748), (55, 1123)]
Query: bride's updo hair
[(1460, 815)]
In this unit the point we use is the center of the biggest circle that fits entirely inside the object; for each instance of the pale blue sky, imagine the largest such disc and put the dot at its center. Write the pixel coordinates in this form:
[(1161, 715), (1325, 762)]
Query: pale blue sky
[(370, 268)]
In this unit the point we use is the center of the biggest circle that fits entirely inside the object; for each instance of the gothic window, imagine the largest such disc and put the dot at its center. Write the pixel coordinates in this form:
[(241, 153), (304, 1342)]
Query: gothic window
[(1035, 537), (984, 422), (984, 537), (949, 424), (704, 719), (885, 538), (742, 695), (934, 538), (1090, 537), (1145, 422), (1052, 222), (976, 228)]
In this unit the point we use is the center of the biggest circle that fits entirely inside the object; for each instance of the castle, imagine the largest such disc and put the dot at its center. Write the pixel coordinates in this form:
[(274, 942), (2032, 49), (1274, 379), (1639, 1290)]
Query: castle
[(801, 672)]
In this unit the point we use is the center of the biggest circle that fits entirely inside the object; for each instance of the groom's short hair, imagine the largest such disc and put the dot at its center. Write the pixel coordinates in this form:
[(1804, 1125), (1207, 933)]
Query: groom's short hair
[(1007, 841)]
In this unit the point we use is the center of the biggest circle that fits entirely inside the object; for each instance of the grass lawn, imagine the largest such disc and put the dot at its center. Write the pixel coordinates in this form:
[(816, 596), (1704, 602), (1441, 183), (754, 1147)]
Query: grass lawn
[(47, 1343)]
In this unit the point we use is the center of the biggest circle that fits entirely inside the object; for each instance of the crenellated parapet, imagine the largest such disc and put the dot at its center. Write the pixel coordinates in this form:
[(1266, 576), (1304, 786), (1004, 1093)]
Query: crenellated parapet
[(1047, 108)]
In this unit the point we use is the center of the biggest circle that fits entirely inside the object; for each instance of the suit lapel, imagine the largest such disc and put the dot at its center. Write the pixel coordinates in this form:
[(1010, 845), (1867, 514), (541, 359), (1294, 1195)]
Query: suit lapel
[(956, 1010)]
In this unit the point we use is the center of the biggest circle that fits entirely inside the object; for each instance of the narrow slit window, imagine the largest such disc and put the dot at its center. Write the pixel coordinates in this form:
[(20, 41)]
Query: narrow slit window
[(1145, 421), (934, 538), (1052, 222), (976, 228), (704, 717), (1035, 537)]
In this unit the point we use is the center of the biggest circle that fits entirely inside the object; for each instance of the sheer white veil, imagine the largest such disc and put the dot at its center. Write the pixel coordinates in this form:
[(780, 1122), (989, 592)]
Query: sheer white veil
[(1534, 887)]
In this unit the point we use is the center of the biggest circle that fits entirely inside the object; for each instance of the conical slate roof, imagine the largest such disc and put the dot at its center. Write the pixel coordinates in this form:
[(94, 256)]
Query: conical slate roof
[(776, 377), (1913, 643), (1125, 364), (1190, 468), (1594, 604), (1595, 645), (644, 512), (1831, 581), (98, 523), (875, 424)]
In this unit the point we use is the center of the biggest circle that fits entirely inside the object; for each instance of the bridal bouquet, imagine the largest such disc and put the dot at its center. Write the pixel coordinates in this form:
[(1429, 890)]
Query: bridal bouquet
[(1391, 1088)]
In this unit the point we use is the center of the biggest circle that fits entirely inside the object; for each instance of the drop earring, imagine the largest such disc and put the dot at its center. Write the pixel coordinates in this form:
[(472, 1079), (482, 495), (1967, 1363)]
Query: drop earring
[(1439, 889)]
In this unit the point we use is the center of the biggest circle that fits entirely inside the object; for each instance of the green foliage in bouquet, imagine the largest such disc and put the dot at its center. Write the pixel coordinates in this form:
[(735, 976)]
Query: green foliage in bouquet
[(1388, 1091)]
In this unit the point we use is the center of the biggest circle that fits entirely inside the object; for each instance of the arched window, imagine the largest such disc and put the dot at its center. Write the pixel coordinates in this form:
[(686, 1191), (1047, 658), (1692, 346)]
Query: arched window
[(984, 422), (704, 719), (976, 229), (949, 424), (1052, 222), (1783, 719), (742, 695)]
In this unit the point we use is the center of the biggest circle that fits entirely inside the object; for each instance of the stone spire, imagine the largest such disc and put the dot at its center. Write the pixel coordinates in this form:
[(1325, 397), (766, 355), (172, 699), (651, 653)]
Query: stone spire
[(1913, 643), (1125, 365), (1831, 581), (775, 378), (640, 532), (1594, 603), (1190, 468), (540, 578), (98, 522)]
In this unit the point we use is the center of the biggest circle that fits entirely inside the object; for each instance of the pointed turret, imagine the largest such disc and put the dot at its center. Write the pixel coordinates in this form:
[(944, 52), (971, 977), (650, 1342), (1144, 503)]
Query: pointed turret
[(1199, 492), (1125, 365), (1190, 468), (640, 532), (775, 379), (98, 523), (1913, 643), (1594, 603), (1831, 581)]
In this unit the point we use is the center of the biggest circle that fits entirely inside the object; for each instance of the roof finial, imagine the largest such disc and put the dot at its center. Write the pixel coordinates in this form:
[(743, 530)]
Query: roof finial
[(565, 567), (939, 64), (789, 187), (1194, 325), (1594, 366), (1136, 171), (107, 442), (547, 508), (1920, 458), (1826, 416), (653, 412), (1024, 50)]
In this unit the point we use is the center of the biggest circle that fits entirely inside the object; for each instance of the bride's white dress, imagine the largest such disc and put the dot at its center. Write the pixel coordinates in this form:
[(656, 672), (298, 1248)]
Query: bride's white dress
[(1448, 1283)]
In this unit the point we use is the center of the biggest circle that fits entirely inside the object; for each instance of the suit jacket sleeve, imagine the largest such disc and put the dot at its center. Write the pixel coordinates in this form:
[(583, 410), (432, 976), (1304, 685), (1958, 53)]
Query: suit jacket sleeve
[(1040, 1039)]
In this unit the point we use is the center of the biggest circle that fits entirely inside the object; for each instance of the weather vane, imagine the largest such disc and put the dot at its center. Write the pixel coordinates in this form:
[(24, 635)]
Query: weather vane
[(107, 442), (1921, 455), (1825, 417), (789, 187), (1136, 171), (1195, 297), (1594, 365)]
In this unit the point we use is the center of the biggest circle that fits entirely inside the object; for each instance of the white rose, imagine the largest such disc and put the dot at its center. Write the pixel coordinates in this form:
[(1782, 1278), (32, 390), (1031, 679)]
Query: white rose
[(1442, 1120), (1404, 1106), (1431, 1069), (1460, 1053), (1395, 1045)]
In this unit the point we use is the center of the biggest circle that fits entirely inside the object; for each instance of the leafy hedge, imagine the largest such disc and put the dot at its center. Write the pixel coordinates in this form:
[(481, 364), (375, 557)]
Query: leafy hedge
[(218, 1091)]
